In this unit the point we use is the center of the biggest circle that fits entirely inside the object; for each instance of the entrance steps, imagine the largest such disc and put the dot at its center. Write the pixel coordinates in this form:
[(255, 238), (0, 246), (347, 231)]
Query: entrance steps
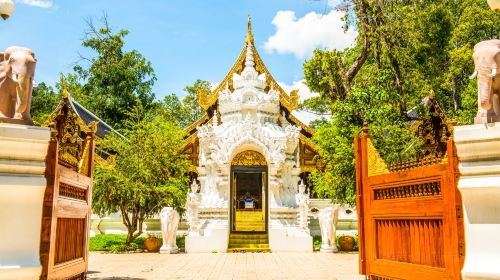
[(248, 242), (249, 221)]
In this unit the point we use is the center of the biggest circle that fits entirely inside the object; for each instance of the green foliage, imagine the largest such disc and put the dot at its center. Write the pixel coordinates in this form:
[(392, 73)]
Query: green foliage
[(180, 241), (317, 242), (147, 173), (114, 80), (114, 243), (187, 110), (335, 139), (191, 99), (407, 50), (43, 103)]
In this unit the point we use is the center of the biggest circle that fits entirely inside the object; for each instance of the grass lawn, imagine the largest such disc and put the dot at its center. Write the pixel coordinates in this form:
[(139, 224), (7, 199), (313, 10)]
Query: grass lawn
[(116, 243)]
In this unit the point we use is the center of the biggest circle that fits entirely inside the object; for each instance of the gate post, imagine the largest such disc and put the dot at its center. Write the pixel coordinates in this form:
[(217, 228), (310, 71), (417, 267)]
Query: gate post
[(361, 173)]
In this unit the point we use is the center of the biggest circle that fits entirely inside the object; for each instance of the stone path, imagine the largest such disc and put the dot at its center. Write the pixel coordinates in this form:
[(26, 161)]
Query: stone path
[(222, 266)]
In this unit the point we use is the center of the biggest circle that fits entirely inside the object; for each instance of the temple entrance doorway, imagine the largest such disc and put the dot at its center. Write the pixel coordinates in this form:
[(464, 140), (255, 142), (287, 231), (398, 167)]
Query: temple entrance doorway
[(248, 203)]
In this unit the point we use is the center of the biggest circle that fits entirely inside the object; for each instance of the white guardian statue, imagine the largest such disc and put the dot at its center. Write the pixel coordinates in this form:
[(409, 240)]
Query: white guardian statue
[(169, 222), (302, 200), (327, 221), (193, 201)]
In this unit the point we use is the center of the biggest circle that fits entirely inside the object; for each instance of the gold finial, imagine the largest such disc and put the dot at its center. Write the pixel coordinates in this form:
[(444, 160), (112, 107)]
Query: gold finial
[(249, 37), (65, 93), (432, 94), (93, 126)]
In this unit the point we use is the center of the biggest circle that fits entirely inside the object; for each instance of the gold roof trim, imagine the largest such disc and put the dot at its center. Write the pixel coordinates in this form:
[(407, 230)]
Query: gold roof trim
[(376, 165), (290, 102), (189, 140), (302, 125), (196, 123), (308, 142), (74, 135)]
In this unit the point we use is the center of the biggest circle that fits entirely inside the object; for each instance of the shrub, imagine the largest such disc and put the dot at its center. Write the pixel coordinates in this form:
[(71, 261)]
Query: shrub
[(114, 243), (316, 243)]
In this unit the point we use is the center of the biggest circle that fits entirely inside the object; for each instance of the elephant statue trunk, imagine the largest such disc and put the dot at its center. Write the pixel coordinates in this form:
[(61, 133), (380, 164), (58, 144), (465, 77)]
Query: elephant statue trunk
[(17, 69)]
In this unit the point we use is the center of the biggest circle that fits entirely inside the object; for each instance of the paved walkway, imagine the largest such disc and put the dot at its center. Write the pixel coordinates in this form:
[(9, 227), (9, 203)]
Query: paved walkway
[(222, 266)]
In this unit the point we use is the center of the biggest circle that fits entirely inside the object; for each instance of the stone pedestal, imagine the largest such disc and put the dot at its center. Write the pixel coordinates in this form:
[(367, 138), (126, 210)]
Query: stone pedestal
[(325, 248), (213, 232), (22, 185), (478, 148), (169, 250)]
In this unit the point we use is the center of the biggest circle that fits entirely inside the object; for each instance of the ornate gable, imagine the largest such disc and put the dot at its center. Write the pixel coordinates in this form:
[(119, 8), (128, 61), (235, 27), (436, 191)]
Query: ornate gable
[(229, 101)]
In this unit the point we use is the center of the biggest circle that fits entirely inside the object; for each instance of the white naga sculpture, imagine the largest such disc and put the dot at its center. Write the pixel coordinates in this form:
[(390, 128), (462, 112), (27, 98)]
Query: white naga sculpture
[(327, 221), (17, 68), (193, 202), (169, 222), (302, 200)]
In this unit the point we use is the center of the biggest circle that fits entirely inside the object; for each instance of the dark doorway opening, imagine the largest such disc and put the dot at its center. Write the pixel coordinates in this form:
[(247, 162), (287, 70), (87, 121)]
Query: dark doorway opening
[(249, 202)]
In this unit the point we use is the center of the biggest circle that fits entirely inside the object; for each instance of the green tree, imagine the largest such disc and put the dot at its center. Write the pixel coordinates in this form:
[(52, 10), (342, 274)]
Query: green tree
[(43, 102), (114, 80), (147, 173), (191, 98), (186, 110), (404, 50)]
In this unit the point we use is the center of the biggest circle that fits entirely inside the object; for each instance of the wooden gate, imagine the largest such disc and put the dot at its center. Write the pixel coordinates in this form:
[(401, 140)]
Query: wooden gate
[(409, 217), (66, 211)]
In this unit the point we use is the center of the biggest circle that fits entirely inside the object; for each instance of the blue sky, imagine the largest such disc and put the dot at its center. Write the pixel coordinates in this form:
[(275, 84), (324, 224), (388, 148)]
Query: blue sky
[(185, 40)]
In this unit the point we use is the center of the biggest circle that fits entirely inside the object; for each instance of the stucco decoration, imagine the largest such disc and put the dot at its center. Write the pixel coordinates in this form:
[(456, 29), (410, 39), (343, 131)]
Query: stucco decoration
[(249, 122), (169, 219), (17, 69), (486, 61), (328, 220)]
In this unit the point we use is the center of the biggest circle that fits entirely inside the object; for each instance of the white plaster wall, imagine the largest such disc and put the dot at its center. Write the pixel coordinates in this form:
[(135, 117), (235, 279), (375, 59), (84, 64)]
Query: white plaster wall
[(22, 185), (478, 149)]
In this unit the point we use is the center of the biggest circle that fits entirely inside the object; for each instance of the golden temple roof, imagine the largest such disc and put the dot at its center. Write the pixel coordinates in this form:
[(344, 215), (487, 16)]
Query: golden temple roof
[(207, 100)]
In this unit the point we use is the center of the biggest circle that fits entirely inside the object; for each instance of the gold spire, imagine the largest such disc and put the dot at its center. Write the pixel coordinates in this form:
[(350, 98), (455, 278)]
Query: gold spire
[(249, 37), (64, 87)]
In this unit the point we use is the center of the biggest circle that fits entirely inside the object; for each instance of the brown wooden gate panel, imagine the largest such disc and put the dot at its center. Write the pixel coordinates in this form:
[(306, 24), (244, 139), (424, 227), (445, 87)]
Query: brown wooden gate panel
[(66, 213), (410, 217)]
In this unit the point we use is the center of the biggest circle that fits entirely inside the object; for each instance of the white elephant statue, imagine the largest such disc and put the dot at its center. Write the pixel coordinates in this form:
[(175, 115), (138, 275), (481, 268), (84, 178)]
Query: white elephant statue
[(327, 221), (17, 69), (486, 61), (169, 219)]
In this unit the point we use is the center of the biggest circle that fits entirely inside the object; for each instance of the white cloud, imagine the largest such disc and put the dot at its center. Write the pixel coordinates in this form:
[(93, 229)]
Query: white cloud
[(304, 93), (37, 3), (301, 36)]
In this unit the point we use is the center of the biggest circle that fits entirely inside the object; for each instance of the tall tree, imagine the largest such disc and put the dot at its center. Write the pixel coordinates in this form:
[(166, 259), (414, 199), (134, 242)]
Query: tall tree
[(114, 80), (43, 102), (404, 51), (186, 110), (147, 173), (191, 98)]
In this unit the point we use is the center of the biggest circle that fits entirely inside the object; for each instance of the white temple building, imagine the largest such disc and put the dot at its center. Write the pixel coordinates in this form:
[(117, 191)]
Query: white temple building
[(251, 154)]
